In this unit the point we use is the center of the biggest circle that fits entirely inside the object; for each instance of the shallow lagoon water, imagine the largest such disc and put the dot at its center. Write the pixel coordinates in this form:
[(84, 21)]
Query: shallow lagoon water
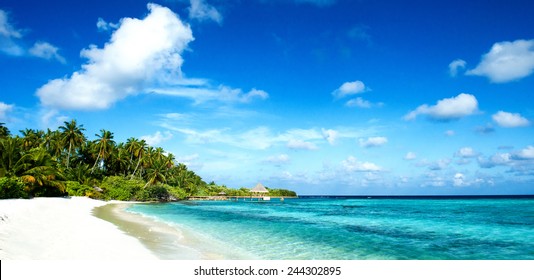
[(341, 228)]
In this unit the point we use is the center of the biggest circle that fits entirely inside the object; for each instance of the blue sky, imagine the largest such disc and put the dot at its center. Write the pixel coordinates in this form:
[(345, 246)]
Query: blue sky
[(319, 96)]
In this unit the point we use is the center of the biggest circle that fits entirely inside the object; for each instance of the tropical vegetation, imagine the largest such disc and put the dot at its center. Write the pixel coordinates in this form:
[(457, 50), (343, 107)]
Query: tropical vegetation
[(64, 162)]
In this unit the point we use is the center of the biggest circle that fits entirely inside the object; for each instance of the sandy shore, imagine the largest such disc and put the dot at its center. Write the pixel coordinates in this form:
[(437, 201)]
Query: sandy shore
[(63, 229)]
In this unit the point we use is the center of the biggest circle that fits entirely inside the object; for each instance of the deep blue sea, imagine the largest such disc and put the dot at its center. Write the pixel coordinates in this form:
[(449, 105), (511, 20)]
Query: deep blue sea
[(361, 228)]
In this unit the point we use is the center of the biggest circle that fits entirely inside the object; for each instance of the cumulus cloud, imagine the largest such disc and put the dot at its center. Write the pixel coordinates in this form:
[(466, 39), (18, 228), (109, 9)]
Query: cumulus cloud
[(447, 109), (506, 61), (136, 53), (372, 142), (349, 88), (330, 135), (351, 164), (459, 180), (4, 109), (456, 65), (297, 144), (157, 138), (410, 156), (526, 153), (47, 51), (505, 119), (202, 11), (466, 152)]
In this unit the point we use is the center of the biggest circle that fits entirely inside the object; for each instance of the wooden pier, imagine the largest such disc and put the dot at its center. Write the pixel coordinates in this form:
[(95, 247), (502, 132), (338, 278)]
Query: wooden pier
[(240, 198)]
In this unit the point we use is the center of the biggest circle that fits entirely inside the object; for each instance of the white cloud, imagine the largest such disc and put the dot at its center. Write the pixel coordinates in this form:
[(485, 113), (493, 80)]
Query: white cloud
[(466, 152), (362, 103), (157, 138), (351, 164), (4, 109), (495, 160), (298, 144), (439, 164), (8, 36), (410, 156), (47, 51), (201, 11), (349, 88), (372, 142), (526, 153), (11, 42), (330, 135), (506, 61), (138, 51), (505, 119), (459, 180), (205, 93), (103, 25), (447, 109), (278, 159), (455, 66)]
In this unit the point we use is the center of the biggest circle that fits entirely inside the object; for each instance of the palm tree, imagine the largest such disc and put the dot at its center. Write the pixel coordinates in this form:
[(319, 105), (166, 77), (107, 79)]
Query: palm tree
[(104, 145), (4, 131), (31, 138), (138, 148), (72, 135), (10, 155), (156, 173), (42, 176)]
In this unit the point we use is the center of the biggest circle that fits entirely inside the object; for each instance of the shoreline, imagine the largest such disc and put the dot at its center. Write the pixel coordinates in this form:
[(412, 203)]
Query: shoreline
[(63, 229), (80, 228), (168, 242)]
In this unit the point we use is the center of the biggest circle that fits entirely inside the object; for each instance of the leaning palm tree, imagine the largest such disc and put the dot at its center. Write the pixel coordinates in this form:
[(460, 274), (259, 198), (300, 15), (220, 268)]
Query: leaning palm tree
[(72, 136), (104, 145), (139, 150)]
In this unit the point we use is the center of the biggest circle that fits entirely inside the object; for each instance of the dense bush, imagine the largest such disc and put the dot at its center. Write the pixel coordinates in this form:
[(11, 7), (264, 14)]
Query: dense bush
[(120, 188), (12, 187), (153, 193), (76, 189)]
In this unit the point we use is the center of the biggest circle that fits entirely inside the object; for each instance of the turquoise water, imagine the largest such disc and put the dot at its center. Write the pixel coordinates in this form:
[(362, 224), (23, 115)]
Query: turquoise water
[(326, 228)]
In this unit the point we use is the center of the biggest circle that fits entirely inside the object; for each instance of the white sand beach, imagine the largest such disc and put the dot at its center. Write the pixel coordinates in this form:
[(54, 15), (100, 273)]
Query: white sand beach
[(63, 229)]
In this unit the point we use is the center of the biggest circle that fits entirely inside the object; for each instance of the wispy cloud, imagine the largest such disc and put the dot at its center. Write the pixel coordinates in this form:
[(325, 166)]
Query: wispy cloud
[(200, 10), (372, 142), (456, 65), (11, 42), (157, 138), (4, 109), (47, 51)]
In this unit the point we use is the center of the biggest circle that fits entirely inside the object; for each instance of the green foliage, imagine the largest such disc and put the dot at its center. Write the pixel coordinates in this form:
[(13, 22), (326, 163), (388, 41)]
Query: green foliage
[(176, 193), (153, 193), (12, 187), (65, 162), (281, 192), (76, 189), (120, 188)]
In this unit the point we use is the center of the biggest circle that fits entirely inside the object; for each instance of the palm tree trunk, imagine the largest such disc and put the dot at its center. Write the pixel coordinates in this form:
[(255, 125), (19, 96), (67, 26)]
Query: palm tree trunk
[(68, 155)]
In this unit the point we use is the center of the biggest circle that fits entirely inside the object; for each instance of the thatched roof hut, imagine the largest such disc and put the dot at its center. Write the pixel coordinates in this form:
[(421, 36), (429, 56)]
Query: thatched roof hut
[(260, 189)]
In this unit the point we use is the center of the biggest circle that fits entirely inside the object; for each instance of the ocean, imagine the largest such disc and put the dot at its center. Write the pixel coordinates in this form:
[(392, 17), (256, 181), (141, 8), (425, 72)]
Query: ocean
[(356, 228)]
